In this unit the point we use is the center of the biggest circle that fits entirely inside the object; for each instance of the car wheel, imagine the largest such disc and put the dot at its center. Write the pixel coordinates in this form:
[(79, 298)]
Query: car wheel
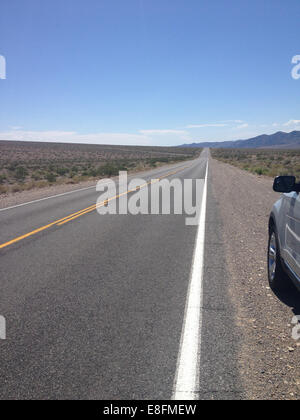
[(278, 279)]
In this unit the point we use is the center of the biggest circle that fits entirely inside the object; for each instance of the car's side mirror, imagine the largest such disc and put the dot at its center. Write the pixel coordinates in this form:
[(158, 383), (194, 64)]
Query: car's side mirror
[(285, 184)]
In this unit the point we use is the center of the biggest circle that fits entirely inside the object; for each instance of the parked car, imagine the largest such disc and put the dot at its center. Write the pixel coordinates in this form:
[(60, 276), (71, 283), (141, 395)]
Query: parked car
[(284, 235)]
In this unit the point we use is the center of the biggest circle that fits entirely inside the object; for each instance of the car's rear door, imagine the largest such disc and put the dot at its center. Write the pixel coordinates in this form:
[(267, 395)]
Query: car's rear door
[(292, 234)]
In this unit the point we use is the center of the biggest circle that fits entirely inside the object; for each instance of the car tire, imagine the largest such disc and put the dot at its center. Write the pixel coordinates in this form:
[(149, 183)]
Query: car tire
[(278, 279)]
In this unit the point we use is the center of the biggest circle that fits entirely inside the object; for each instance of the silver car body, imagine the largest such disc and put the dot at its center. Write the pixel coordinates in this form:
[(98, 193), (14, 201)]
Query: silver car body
[(286, 216)]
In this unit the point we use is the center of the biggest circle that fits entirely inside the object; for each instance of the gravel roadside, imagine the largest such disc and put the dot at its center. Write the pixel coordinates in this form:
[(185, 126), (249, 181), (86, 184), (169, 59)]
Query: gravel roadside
[(269, 359)]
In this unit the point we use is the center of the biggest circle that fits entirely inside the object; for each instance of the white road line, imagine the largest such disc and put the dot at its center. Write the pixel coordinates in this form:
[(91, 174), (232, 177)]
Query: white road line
[(186, 384), (47, 198)]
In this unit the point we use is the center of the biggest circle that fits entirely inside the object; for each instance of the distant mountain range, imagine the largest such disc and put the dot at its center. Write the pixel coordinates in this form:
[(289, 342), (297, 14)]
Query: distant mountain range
[(278, 140)]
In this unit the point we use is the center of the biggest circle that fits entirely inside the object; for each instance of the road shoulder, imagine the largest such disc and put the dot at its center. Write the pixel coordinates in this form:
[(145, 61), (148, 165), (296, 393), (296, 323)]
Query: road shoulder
[(219, 374), (268, 358)]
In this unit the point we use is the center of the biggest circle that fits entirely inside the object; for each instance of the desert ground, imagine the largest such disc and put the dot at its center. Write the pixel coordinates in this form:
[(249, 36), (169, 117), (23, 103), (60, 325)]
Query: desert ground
[(31, 165)]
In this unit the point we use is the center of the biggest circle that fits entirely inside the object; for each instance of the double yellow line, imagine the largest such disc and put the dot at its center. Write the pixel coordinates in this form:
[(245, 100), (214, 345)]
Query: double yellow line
[(80, 213)]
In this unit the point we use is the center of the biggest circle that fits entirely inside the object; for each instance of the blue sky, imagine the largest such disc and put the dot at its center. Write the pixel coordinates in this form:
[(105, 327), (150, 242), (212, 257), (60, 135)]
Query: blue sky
[(150, 72)]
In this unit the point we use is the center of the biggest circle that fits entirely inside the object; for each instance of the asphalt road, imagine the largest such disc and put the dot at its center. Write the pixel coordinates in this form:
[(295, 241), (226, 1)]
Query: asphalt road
[(95, 306)]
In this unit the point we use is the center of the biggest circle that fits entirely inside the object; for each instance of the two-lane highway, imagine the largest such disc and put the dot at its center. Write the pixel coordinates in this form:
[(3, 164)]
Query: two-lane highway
[(96, 307)]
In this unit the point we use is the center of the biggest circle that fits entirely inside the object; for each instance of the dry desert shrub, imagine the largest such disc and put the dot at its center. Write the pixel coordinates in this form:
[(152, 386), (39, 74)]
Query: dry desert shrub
[(269, 162)]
